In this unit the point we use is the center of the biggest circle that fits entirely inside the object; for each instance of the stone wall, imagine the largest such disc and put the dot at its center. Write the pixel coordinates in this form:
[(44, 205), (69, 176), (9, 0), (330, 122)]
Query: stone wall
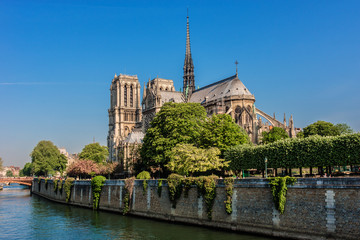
[(325, 208)]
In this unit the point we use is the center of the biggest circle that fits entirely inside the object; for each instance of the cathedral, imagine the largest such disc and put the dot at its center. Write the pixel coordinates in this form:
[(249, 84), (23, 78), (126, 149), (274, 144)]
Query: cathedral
[(129, 117)]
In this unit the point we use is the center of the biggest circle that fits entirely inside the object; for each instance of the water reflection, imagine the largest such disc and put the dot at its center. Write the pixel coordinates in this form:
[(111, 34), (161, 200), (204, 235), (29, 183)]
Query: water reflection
[(25, 217)]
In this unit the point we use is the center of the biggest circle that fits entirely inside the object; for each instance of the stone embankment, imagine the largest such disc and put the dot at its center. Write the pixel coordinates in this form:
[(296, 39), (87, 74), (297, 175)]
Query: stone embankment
[(316, 208)]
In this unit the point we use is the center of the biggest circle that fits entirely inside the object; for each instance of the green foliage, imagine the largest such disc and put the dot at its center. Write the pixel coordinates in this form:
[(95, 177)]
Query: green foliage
[(321, 128), (9, 173), (96, 185), (60, 186), (27, 170), (188, 182), (69, 183), (186, 159), (175, 123), (145, 185), (343, 128), (312, 151), (94, 152), (159, 187), (55, 181), (129, 186), (175, 187), (143, 175), (229, 192), (300, 134), (220, 131), (47, 159), (126, 202), (275, 134), (207, 188), (279, 189)]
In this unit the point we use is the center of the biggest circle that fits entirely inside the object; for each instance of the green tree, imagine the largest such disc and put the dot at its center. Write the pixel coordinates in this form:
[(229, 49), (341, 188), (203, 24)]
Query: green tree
[(46, 159), (95, 152), (344, 128), (186, 159), (175, 123), (9, 173), (274, 135), (321, 128), (222, 132), (300, 134), (27, 170)]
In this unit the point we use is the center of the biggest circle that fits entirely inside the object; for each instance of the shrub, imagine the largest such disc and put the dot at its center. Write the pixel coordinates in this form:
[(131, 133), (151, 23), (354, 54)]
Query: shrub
[(96, 185), (69, 183), (279, 190)]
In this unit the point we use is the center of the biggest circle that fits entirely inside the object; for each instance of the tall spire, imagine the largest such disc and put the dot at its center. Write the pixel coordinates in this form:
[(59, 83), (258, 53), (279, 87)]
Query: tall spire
[(189, 78)]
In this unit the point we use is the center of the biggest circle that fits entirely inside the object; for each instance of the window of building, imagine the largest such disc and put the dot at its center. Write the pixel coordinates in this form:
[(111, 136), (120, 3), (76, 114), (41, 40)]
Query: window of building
[(131, 96), (125, 95)]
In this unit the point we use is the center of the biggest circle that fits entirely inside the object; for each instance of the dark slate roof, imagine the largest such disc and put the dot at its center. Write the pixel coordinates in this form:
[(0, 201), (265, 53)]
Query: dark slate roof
[(136, 136), (176, 97), (231, 86)]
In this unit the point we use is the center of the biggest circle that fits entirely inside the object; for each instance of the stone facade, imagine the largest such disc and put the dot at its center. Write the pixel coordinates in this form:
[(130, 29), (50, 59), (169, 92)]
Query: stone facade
[(157, 92), (316, 208), (124, 111)]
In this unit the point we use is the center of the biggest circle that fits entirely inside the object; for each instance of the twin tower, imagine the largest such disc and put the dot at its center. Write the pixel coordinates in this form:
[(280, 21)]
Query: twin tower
[(130, 117)]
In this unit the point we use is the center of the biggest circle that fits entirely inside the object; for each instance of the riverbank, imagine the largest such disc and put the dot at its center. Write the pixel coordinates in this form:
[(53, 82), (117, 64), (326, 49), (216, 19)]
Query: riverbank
[(322, 208)]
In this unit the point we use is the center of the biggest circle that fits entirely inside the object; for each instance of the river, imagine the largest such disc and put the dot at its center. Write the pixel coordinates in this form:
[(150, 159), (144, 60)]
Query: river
[(31, 217)]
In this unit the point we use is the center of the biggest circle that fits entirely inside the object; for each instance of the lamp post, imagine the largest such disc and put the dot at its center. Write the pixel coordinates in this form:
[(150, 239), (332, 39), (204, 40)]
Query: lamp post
[(266, 161)]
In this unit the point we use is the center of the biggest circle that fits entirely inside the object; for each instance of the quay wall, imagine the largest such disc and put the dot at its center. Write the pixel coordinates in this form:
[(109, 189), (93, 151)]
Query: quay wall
[(316, 208)]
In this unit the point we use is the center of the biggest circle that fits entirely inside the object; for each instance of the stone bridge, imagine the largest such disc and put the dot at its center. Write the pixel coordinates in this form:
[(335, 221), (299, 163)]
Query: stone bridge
[(27, 181)]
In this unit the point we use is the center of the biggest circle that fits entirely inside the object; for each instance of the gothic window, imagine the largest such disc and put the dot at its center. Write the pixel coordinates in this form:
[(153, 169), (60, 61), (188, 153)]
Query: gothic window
[(125, 96), (238, 109), (131, 96)]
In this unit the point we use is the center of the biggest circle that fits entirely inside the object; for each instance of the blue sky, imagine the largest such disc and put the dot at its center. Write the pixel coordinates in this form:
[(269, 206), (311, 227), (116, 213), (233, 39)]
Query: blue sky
[(57, 60)]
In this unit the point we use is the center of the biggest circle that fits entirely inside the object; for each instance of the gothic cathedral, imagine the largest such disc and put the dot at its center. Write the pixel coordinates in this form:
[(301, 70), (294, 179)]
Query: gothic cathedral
[(129, 118)]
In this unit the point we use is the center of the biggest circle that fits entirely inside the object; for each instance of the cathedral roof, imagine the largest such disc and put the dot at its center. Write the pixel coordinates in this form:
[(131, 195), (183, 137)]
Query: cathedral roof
[(231, 86), (136, 136), (167, 96)]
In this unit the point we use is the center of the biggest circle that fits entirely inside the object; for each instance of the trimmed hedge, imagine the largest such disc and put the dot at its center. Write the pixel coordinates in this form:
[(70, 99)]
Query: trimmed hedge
[(312, 151)]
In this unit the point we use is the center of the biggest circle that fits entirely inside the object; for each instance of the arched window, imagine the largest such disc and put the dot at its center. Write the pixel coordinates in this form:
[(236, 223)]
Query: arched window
[(125, 96), (131, 96)]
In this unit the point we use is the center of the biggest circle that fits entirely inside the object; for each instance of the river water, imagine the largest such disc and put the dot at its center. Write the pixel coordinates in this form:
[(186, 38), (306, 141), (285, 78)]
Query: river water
[(31, 217)]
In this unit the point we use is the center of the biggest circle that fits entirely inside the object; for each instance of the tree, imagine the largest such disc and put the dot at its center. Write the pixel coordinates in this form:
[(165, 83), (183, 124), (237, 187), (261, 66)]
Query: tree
[(174, 123), (274, 135), (87, 168), (9, 173), (222, 132), (27, 170), (46, 159), (321, 128), (82, 168), (300, 134), (344, 128), (186, 159), (95, 152)]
